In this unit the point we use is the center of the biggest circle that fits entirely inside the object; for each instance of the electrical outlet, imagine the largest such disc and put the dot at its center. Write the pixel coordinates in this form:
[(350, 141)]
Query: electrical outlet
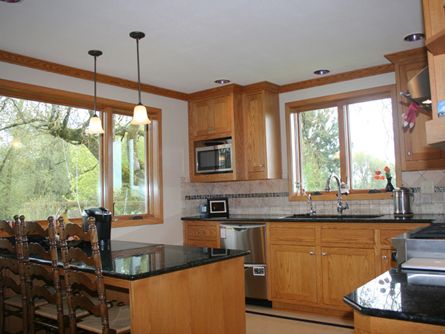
[(427, 187)]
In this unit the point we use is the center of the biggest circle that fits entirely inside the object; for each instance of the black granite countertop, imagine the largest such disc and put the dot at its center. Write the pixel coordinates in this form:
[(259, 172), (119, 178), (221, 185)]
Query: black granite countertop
[(406, 295), (356, 218), (134, 260)]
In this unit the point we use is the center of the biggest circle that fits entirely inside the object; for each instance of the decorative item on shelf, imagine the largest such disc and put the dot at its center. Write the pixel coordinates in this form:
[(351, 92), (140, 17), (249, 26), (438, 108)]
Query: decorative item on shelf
[(95, 125), (379, 176), (140, 116), (441, 108)]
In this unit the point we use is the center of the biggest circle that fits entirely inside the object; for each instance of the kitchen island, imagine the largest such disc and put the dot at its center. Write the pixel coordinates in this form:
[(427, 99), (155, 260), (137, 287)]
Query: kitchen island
[(406, 301), (176, 289)]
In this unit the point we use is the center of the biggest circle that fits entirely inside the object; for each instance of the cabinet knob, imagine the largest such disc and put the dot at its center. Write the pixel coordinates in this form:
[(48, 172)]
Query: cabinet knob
[(311, 253), (384, 257), (409, 153), (324, 253)]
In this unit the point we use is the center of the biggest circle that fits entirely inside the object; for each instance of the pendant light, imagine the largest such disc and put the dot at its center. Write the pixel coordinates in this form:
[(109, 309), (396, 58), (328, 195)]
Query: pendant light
[(95, 125), (140, 115)]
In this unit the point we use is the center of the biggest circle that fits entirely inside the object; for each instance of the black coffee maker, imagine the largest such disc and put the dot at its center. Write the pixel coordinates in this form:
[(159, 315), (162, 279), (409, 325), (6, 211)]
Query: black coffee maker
[(103, 222)]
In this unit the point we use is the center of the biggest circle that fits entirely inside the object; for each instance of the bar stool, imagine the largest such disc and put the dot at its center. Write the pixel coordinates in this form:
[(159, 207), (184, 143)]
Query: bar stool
[(13, 298), (104, 317), (43, 279)]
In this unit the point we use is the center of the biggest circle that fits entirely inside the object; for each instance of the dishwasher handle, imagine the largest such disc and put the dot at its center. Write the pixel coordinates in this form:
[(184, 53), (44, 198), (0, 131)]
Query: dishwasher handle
[(241, 227)]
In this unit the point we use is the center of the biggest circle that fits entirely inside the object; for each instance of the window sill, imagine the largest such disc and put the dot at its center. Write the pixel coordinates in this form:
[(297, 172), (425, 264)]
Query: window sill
[(128, 222), (353, 196)]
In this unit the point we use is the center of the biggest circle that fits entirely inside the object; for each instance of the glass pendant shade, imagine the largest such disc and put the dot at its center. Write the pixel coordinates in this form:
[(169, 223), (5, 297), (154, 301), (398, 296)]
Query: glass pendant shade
[(95, 126), (140, 116)]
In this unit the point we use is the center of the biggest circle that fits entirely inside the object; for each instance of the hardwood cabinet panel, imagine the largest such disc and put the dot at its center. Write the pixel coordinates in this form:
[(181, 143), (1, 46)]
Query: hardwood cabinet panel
[(289, 233), (354, 237), (262, 132), (201, 234), (343, 270), (293, 273)]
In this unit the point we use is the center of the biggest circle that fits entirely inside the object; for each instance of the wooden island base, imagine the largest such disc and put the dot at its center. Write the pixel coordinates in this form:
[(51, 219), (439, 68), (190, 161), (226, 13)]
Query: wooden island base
[(364, 324), (199, 300)]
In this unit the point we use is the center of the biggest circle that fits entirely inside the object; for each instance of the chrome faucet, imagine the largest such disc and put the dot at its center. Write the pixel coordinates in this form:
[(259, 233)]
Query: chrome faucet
[(340, 206), (311, 206)]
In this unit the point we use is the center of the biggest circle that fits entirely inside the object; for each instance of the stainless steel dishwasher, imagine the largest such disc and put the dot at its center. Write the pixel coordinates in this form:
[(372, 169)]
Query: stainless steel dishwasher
[(249, 237)]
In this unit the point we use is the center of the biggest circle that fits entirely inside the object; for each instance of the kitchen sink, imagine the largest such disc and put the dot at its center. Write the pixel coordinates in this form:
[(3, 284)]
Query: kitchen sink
[(332, 216)]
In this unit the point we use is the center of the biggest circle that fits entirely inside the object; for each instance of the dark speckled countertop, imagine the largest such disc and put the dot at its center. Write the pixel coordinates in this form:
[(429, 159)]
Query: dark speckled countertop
[(406, 295), (135, 260), (356, 218)]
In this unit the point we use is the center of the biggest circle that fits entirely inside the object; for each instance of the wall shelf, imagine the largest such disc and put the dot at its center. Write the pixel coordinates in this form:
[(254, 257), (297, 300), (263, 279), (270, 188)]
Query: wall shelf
[(436, 43)]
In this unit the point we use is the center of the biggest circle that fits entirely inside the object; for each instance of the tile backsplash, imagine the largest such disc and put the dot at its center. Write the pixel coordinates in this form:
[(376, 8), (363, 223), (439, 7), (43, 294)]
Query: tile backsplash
[(271, 196)]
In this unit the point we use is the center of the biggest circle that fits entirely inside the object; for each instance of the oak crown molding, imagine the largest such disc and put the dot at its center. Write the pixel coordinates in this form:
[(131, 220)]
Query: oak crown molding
[(48, 66), (44, 65)]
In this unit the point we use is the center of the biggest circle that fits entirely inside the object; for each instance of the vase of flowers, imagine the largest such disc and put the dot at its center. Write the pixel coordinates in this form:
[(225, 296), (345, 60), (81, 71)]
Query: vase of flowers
[(378, 176)]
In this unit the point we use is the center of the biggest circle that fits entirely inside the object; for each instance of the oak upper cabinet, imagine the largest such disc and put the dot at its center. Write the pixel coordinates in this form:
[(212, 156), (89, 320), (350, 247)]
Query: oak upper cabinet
[(434, 19), (415, 152), (216, 114), (262, 148), (211, 117)]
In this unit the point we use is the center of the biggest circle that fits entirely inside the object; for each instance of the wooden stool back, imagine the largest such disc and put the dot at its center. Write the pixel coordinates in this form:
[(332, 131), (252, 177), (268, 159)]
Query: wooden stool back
[(12, 273), (90, 289), (37, 272)]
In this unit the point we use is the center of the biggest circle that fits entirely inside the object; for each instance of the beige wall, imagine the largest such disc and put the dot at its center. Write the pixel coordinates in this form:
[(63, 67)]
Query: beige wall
[(174, 145)]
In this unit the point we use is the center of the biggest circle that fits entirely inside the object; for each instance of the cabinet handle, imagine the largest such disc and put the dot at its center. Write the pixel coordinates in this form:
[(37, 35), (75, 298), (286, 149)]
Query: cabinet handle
[(409, 153), (324, 254), (384, 257), (311, 253)]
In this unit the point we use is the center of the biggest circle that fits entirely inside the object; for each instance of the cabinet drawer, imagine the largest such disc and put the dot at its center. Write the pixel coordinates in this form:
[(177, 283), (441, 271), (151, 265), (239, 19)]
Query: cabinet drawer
[(291, 234), (351, 237), (387, 233), (205, 231)]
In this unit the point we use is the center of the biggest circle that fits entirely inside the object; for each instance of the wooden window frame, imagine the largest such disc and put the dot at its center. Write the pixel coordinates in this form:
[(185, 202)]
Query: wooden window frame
[(107, 107), (339, 101)]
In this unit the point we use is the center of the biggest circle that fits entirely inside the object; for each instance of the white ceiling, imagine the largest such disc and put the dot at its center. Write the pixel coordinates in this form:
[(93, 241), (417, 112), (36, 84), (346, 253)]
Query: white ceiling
[(191, 43)]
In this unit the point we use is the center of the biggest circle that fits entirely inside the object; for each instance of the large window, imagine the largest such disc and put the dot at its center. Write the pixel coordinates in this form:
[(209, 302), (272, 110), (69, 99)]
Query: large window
[(350, 135), (49, 166)]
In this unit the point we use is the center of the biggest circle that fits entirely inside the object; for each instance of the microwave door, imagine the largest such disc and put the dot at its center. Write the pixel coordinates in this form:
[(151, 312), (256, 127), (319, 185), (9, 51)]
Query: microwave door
[(207, 161)]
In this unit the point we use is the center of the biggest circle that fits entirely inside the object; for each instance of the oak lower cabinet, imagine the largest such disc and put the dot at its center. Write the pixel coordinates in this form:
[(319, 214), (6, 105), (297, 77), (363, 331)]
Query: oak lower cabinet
[(343, 270), (288, 281), (201, 233), (312, 266)]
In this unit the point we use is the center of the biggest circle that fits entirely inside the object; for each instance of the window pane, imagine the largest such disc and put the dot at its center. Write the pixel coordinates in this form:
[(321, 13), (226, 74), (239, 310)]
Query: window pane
[(47, 164), (320, 147), (129, 167), (372, 142)]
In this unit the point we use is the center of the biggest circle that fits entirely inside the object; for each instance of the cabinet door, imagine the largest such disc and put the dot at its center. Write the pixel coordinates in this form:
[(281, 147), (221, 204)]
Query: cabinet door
[(293, 273), (220, 116), (199, 118), (255, 136), (201, 234), (344, 270)]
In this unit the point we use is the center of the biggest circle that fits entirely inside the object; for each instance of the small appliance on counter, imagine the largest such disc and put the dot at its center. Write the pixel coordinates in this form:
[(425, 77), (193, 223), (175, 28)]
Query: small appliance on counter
[(103, 219), (403, 200), (218, 207), (421, 249)]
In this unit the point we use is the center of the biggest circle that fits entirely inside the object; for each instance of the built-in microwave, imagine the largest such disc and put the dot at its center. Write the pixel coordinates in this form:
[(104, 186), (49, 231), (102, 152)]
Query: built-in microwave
[(214, 156)]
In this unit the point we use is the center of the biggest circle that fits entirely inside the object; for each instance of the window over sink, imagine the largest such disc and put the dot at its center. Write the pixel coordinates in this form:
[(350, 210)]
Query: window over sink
[(351, 135)]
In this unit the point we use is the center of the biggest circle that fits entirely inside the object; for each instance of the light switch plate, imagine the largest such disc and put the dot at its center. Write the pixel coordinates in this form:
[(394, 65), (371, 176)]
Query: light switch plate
[(427, 187)]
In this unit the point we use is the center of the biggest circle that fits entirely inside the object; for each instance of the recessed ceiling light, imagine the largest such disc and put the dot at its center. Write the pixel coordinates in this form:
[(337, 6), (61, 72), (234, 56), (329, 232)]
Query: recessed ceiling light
[(417, 36), (321, 72), (222, 81)]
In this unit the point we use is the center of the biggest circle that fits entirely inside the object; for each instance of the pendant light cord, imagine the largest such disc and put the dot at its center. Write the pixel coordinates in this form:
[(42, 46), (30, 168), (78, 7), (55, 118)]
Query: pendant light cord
[(139, 72), (95, 60)]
